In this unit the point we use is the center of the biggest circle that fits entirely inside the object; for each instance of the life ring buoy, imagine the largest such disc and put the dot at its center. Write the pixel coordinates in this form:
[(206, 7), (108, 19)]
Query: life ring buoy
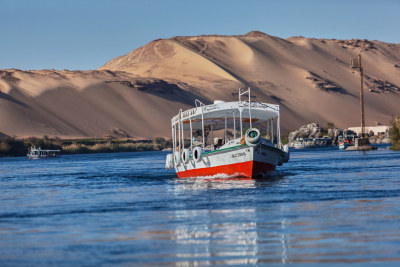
[(253, 137), (177, 159), (198, 154), (185, 156), (169, 162)]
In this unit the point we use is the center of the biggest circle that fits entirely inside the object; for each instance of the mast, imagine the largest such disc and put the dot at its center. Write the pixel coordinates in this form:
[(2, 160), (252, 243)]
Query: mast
[(362, 99), (355, 63)]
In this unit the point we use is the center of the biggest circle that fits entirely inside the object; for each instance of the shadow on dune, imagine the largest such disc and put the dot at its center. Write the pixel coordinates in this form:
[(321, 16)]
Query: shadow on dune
[(12, 99), (165, 90)]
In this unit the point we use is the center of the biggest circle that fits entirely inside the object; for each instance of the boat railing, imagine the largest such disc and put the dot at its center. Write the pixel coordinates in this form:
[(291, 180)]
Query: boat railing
[(199, 103)]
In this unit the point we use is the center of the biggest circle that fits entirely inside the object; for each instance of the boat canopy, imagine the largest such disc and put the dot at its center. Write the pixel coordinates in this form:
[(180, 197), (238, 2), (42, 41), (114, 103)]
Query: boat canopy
[(225, 114)]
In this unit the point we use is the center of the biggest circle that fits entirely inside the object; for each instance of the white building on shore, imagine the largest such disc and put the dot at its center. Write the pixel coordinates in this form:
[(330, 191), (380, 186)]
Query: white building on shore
[(377, 130)]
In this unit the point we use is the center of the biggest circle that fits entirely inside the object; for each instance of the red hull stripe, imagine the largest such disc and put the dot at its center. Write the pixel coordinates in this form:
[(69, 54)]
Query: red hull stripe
[(246, 169)]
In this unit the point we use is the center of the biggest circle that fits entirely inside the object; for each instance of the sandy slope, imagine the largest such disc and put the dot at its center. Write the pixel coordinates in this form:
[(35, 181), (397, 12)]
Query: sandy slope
[(310, 78), (136, 94), (90, 103)]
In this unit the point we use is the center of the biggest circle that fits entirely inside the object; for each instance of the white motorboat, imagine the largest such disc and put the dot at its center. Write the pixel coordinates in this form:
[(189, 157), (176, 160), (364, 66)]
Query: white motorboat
[(39, 153)]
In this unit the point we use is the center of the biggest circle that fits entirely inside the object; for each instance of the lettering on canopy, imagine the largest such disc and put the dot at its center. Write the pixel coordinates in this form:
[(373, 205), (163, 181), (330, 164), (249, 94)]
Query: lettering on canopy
[(211, 107)]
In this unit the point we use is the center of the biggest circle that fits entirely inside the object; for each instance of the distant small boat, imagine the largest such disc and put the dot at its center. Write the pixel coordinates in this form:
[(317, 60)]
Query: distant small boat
[(39, 153), (343, 144), (346, 140)]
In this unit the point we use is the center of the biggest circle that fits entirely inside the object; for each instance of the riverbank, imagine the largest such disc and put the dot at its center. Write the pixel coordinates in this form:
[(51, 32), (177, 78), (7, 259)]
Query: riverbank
[(12, 147)]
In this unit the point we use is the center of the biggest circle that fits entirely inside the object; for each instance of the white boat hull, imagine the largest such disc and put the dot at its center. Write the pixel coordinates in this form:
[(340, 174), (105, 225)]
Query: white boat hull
[(239, 161)]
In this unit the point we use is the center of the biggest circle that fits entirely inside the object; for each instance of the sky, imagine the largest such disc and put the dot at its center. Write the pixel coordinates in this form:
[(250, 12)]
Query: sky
[(85, 34)]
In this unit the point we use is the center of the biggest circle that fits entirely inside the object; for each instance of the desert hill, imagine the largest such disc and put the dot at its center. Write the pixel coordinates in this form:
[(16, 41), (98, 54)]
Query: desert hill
[(137, 94), (87, 104)]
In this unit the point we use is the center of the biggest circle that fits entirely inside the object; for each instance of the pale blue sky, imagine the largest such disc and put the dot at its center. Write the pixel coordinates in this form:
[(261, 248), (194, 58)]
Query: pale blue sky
[(85, 34)]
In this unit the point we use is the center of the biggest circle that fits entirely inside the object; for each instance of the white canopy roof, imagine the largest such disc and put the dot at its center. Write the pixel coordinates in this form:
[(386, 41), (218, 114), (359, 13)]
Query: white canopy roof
[(215, 114)]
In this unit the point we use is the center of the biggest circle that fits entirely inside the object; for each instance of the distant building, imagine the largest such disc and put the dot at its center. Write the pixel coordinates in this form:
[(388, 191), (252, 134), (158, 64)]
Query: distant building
[(377, 130)]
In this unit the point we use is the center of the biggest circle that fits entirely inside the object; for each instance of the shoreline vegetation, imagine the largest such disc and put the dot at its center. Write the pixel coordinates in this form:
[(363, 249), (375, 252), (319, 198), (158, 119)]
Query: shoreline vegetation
[(395, 133), (12, 147)]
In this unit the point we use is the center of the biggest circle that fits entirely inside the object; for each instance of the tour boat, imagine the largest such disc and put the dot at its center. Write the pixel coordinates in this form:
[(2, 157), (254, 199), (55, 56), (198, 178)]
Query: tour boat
[(39, 153), (227, 139)]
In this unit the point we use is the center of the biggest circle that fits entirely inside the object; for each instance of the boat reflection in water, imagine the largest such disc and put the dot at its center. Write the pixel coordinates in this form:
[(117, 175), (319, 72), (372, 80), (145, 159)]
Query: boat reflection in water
[(211, 241), (227, 236), (218, 182), (223, 181)]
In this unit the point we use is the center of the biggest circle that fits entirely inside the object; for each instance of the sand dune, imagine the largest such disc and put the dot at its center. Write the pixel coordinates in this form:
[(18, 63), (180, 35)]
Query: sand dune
[(136, 94), (89, 103)]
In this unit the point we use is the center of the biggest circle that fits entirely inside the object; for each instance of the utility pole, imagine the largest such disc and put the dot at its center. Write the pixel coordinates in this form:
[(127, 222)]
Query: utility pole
[(355, 63), (362, 143)]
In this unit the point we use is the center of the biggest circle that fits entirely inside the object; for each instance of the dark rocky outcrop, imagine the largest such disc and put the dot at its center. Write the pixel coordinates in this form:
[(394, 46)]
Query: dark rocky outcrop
[(312, 130), (325, 84)]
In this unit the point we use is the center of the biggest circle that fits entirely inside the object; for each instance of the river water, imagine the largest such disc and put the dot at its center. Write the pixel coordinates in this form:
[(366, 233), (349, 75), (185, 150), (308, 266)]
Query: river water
[(126, 209)]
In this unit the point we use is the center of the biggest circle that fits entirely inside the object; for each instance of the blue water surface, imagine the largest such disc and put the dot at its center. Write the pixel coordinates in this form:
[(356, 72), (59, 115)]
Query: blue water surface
[(332, 206)]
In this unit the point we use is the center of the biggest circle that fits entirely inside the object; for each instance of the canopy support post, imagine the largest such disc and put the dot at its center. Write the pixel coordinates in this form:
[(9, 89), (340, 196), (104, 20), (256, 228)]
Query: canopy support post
[(173, 138), (241, 129), (278, 130), (179, 136), (250, 107), (234, 126), (225, 131), (202, 127), (212, 137), (272, 131), (191, 134), (183, 140), (176, 141)]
